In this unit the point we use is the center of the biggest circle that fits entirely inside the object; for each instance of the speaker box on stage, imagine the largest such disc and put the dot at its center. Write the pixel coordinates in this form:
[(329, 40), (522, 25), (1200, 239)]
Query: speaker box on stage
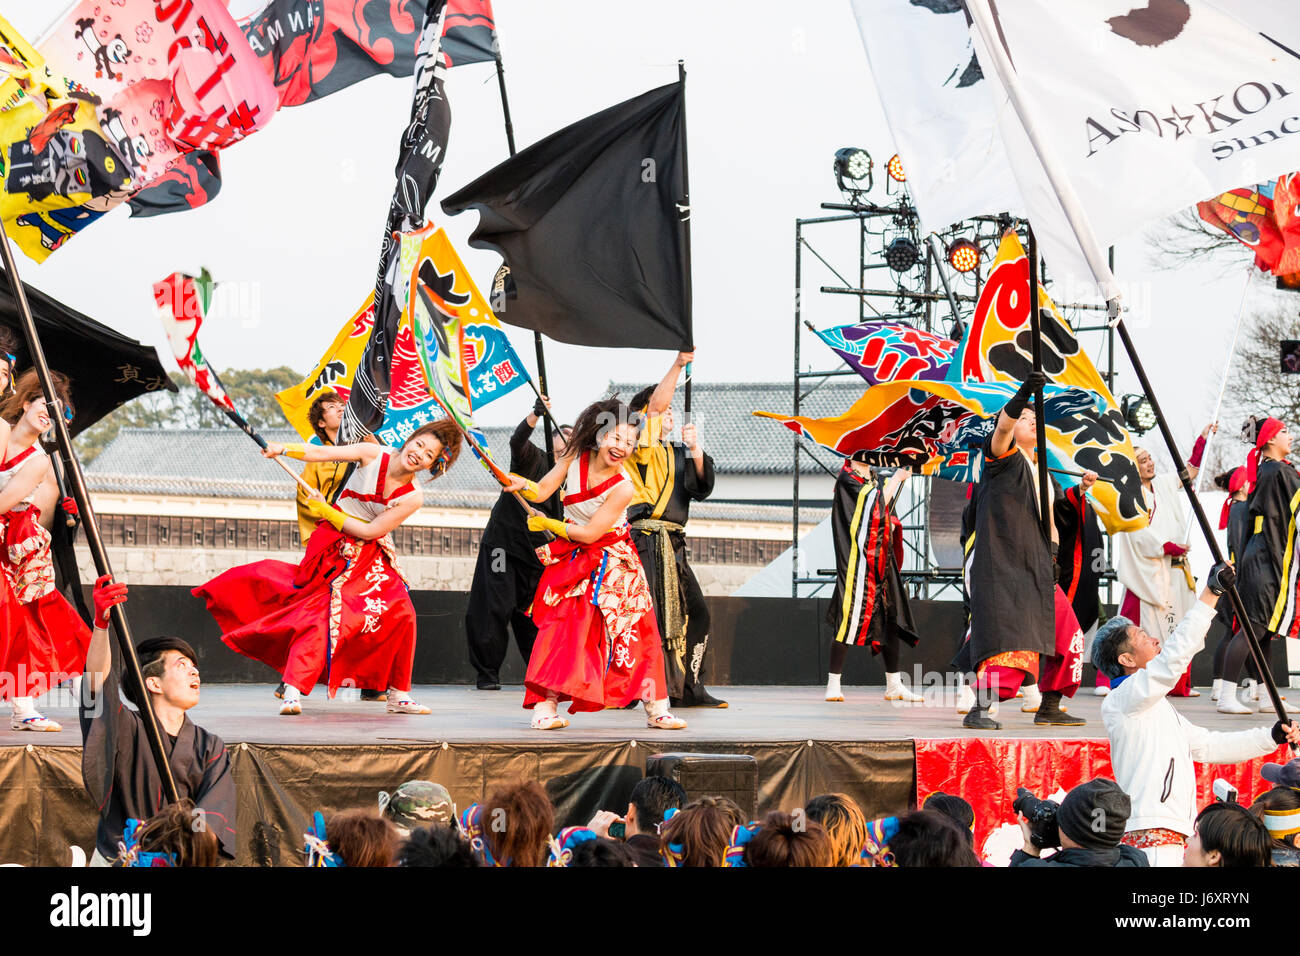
[(734, 776)]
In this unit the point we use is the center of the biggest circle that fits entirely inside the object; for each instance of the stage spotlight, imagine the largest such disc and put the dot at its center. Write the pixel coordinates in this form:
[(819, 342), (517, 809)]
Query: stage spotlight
[(964, 255), (901, 254), (853, 169), (895, 169), (1138, 414)]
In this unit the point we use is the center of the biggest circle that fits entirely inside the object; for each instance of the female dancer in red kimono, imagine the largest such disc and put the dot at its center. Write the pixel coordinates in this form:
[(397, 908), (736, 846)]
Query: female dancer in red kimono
[(343, 616), (43, 640), (597, 638)]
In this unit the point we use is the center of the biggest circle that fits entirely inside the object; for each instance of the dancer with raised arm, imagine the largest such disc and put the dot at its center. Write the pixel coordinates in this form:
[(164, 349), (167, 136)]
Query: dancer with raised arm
[(343, 616), (597, 639), (43, 640)]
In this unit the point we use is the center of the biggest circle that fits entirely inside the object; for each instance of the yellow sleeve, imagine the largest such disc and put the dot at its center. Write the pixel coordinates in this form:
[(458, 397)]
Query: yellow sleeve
[(647, 442)]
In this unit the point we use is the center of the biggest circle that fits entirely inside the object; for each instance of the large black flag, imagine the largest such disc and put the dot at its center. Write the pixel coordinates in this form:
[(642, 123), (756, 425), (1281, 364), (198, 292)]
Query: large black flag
[(588, 221), (107, 369), (419, 161)]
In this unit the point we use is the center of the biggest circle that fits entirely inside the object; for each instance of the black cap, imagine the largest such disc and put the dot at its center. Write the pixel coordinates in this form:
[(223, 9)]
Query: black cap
[(1282, 774), (1093, 814)]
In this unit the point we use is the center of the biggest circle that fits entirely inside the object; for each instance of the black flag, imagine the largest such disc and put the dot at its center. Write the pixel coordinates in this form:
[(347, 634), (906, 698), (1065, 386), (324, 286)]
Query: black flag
[(424, 144), (589, 223), (107, 369)]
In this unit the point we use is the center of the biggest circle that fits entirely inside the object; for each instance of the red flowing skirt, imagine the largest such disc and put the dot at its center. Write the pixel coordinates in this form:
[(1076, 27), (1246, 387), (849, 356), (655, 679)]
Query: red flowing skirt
[(342, 617), (597, 638), (43, 640)]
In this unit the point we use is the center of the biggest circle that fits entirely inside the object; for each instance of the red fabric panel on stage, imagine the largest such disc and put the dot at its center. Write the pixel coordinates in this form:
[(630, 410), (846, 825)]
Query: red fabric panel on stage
[(986, 772)]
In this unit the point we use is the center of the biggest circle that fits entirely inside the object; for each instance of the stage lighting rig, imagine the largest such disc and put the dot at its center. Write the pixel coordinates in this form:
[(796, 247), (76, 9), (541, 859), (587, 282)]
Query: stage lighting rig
[(895, 169), (964, 255), (1138, 413), (901, 254), (853, 170)]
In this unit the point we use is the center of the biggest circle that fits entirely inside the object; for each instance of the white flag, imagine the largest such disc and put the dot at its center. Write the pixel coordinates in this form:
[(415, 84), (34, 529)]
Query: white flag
[(1139, 111), (940, 115)]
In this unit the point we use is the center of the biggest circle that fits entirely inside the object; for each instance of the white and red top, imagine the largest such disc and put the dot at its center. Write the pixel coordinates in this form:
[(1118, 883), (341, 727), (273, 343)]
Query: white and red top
[(11, 466), (363, 496), (581, 505)]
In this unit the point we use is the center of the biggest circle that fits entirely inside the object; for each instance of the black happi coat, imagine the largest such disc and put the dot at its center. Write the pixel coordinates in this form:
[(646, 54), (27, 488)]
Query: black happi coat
[(1239, 528), (118, 769), (1259, 572), (1012, 587), (869, 604), (1081, 554), (507, 526)]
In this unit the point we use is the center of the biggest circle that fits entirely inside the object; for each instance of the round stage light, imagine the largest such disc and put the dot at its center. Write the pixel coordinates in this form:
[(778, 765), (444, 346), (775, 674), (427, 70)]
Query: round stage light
[(964, 255), (853, 169), (895, 169), (901, 254), (1138, 413)]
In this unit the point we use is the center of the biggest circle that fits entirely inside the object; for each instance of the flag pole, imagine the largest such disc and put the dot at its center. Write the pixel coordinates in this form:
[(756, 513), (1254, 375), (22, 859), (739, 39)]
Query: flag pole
[(1040, 413), (94, 541), (982, 19), (684, 213), (1223, 385), (540, 386)]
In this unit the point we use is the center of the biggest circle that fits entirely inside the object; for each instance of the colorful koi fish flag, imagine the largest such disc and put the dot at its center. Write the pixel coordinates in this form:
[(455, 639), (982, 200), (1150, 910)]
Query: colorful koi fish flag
[(998, 348), (935, 427), (488, 366), (889, 351)]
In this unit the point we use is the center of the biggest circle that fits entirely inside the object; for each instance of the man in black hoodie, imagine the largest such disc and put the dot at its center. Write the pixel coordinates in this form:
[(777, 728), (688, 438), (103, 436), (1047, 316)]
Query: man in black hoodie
[(1091, 823)]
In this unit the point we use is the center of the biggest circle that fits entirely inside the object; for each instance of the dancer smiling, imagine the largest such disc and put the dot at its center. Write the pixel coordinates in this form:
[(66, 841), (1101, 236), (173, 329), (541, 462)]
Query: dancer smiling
[(597, 639), (343, 615), (43, 641)]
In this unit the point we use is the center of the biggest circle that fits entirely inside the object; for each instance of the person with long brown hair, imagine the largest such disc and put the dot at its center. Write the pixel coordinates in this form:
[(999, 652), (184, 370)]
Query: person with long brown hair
[(43, 640), (700, 834), (784, 842), (177, 835), (512, 827), (845, 826), (343, 615), (597, 639)]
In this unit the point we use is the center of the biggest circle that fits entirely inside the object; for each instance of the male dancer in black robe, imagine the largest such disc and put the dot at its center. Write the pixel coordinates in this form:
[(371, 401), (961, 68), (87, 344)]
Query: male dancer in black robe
[(869, 606), (1080, 558), (1013, 629), (1235, 520), (668, 476), (507, 570), (117, 765)]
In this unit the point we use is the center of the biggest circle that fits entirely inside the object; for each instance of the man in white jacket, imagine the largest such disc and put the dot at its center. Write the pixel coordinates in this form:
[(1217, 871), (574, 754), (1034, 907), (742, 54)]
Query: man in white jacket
[(1152, 746)]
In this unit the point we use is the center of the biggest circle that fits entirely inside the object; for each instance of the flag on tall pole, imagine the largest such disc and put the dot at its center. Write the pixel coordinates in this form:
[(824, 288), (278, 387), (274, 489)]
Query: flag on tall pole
[(589, 224), (423, 147)]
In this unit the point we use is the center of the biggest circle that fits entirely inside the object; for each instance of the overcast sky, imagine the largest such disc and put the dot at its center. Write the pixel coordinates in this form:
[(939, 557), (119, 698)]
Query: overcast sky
[(774, 89)]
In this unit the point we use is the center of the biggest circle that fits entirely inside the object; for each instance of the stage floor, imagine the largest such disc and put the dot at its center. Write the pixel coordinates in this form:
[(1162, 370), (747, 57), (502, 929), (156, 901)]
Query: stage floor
[(248, 713)]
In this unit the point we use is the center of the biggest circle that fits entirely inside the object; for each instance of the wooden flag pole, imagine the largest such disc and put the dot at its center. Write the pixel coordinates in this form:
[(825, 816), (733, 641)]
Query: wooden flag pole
[(94, 541)]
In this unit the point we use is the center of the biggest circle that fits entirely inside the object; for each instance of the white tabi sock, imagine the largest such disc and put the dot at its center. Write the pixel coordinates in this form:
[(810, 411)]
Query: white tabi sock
[(833, 686)]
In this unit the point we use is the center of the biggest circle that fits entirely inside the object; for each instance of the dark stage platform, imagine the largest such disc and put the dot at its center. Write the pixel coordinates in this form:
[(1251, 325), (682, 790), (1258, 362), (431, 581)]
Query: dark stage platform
[(341, 753)]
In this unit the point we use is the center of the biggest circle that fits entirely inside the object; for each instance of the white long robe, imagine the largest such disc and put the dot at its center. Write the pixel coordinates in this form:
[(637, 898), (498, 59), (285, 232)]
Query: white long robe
[(1143, 567)]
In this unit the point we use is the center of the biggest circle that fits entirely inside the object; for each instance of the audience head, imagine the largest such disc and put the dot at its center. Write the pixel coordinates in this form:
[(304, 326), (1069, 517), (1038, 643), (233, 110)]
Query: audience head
[(602, 851), (844, 823), (782, 842), (418, 803), (928, 838), (176, 835), (1093, 815), (954, 808), (1228, 835), (436, 845), (363, 838), (1279, 810), (517, 820), (651, 799), (700, 834)]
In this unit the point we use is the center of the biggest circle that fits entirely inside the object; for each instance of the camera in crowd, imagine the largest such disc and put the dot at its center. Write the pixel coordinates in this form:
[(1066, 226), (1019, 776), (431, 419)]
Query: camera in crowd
[(1041, 814)]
